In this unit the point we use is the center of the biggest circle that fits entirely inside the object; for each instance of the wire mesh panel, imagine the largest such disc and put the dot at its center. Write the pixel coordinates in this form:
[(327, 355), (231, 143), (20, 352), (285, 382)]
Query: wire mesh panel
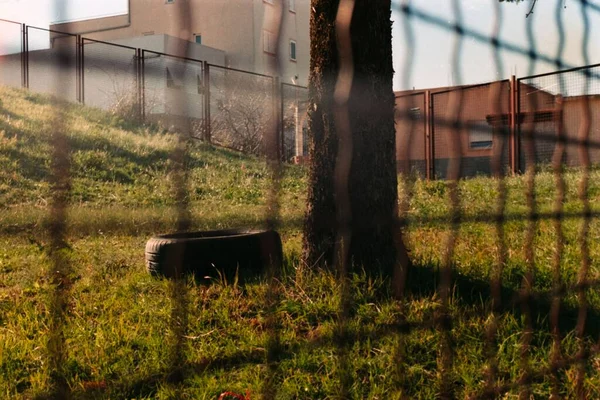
[(110, 77), (539, 118), (411, 133), (51, 56), (173, 92), (552, 108), (10, 53), (501, 297), (294, 100), (480, 115), (241, 108)]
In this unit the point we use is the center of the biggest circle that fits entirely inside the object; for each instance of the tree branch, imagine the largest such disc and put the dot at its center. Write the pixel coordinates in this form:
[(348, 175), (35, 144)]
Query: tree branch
[(531, 9)]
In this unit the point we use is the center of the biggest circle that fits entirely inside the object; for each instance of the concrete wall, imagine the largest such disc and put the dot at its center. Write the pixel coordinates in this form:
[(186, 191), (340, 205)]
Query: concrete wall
[(10, 70)]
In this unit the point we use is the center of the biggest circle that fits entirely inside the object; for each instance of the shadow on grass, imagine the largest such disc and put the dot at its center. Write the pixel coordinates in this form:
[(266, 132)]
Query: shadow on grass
[(422, 284), (147, 386)]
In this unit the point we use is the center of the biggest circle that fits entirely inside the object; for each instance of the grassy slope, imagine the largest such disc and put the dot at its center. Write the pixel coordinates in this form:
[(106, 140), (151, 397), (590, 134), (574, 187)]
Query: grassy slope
[(118, 335)]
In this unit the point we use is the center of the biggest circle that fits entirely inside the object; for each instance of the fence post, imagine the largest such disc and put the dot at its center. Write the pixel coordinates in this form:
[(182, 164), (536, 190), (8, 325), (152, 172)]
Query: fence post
[(298, 139), (513, 142), (23, 40), (281, 131), (142, 72), (207, 125), (138, 83), (25, 56), (80, 70), (429, 155)]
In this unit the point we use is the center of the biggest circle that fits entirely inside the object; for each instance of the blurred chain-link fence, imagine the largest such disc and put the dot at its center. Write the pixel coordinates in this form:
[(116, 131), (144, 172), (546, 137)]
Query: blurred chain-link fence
[(499, 128)]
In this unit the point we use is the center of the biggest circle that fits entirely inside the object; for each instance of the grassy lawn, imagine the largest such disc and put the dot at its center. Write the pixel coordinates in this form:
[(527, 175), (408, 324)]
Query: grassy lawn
[(118, 332)]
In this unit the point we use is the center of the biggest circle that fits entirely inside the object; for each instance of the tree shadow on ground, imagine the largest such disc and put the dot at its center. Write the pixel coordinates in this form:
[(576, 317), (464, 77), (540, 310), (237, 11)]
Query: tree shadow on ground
[(424, 279), (423, 284)]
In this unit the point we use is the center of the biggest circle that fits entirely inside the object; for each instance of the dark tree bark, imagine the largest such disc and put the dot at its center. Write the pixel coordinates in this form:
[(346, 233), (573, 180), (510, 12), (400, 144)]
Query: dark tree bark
[(373, 179)]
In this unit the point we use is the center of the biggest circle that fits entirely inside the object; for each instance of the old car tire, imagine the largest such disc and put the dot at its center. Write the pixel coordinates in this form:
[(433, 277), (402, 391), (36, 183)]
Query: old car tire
[(214, 254)]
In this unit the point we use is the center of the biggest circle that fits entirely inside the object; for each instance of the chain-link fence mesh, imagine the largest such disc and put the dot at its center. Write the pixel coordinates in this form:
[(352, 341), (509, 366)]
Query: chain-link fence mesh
[(110, 78), (551, 109), (166, 78), (242, 107), (52, 56), (454, 133), (482, 121)]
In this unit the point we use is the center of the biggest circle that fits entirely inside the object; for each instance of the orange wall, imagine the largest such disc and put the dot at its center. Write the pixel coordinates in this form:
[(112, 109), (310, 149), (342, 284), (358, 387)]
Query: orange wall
[(466, 105)]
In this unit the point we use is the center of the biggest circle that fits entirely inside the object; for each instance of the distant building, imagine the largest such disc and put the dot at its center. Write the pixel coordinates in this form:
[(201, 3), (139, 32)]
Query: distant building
[(428, 139), (243, 30)]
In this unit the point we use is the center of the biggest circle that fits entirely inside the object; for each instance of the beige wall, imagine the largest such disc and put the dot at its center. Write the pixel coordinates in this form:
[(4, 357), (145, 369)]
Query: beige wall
[(295, 26), (234, 26)]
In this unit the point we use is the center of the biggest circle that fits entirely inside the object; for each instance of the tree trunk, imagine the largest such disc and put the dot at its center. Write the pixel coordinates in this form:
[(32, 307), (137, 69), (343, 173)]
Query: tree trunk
[(373, 181)]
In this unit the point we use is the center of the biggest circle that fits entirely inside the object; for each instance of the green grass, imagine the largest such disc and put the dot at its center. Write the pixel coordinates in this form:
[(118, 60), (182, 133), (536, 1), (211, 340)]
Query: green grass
[(118, 332)]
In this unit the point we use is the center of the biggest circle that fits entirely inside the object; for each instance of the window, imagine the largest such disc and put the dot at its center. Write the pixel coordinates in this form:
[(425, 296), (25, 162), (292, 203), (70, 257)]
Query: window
[(415, 113), (169, 1), (293, 50), (480, 135), (292, 5), (269, 43), (198, 38)]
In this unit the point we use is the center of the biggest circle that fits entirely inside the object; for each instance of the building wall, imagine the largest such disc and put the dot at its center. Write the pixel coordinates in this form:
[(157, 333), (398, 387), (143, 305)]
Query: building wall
[(410, 133), (539, 122), (480, 109), (233, 26), (575, 129), (471, 106), (10, 70)]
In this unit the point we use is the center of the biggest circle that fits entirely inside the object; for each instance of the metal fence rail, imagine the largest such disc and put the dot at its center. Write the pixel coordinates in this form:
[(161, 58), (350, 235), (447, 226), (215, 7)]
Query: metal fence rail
[(500, 118), (137, 83), (114, 77), (63, 54), (225, 106), (242, 107)]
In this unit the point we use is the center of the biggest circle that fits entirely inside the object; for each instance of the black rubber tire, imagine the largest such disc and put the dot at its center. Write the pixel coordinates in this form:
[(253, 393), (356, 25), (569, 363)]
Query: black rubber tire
[(214, 254)]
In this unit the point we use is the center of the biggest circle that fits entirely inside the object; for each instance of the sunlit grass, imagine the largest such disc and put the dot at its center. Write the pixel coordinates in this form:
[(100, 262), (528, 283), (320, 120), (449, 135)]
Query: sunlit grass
[(118, 334)]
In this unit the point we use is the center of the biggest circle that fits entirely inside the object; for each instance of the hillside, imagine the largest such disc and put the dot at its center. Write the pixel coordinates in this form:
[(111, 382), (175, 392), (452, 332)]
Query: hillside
[(118, 332), (118, 166)]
